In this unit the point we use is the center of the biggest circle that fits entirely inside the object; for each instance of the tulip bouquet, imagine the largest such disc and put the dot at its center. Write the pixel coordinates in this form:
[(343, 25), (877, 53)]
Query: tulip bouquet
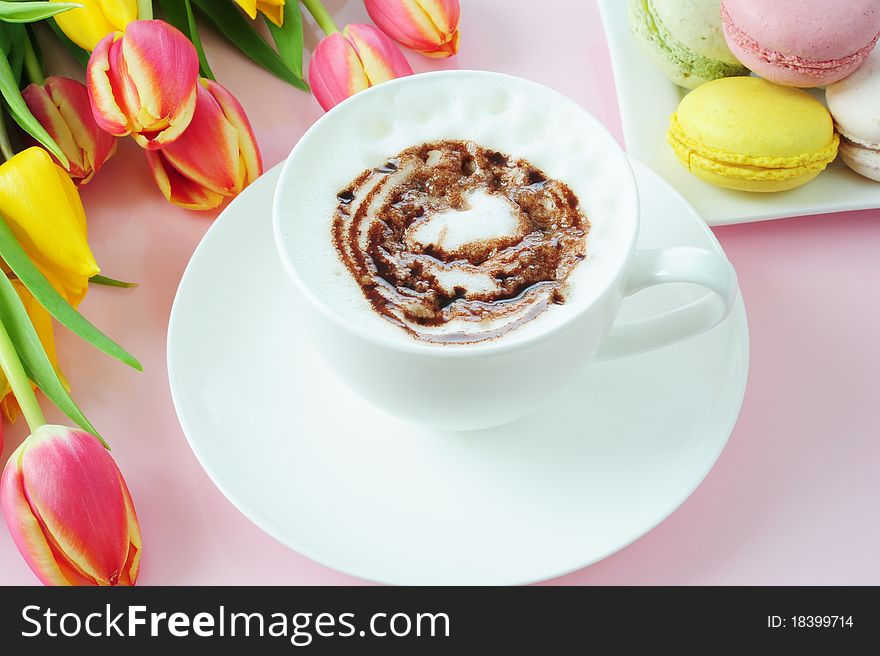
[(47, 265), (51, 484), (151, 80), (146, 77)]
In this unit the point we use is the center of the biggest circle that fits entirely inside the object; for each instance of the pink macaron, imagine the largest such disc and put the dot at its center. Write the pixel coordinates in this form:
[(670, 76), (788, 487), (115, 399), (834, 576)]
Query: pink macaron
[(801, 43)]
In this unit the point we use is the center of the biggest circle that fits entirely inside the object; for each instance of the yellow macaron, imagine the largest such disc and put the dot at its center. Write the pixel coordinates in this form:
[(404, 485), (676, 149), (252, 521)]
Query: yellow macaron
[(749, 134)]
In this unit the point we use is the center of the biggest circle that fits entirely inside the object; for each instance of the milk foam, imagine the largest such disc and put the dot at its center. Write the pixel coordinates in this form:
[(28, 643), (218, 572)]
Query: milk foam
[(504, 113), (488, 216)]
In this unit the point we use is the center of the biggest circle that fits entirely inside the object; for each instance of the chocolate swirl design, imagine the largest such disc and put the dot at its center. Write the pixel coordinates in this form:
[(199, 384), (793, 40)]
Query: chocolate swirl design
[(456, 243)]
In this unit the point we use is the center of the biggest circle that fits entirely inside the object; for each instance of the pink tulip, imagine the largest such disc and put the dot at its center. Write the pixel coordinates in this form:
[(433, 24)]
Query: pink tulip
[(143, 82), (214, 159), (69, 510), (355, 59), (426, 26), (61, 105)]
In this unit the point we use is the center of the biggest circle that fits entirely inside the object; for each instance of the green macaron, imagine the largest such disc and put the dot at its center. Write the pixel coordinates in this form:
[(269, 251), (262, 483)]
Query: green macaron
[(684, 39)]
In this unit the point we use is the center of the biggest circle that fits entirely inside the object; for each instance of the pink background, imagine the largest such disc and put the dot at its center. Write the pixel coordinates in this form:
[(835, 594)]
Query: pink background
[(794, 497)]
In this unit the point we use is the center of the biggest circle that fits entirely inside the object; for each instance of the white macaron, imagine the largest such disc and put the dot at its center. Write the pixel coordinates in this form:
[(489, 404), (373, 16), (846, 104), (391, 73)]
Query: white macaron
[(855, 105)]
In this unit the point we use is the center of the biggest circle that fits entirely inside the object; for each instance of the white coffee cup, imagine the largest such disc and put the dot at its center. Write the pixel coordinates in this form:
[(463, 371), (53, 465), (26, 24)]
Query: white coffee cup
[(462, 387)]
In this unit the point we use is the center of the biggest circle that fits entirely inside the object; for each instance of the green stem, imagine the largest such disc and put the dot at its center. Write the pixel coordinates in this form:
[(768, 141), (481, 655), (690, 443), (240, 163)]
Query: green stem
[(18, 380), (32, 63), (321, 15), (6, 148), (145, 9), (111, 282)]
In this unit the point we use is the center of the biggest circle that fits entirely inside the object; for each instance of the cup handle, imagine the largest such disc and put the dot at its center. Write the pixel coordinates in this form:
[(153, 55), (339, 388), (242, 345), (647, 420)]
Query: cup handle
[(657, 267)]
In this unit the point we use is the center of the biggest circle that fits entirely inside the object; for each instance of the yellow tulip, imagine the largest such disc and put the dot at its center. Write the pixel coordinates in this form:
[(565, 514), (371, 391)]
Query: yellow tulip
[(272, 9), (95, 20), (42, 322), (43, 209)]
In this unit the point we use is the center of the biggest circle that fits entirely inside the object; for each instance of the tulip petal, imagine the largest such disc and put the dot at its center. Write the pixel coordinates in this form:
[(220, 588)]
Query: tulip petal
[(44, 212), (252, 159), (426, 26), (380, 57), (163, 66), (89, 522), (249, 7), (62, 106), (335, 71), (24, 526), (144, 82), (444, 14), (273, 10), (43, 107), (71, 97), (119, 12), (103, 86), (405, 21), (131, 569), (207, 153), (448, 49), (69, 510), (177, 188), (216, 157), (96, 19)]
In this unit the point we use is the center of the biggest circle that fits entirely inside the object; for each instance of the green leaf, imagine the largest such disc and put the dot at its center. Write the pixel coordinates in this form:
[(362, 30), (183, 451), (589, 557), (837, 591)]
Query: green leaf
[(180, 15), (22, 115), (37, 50), (80, 55), (289, 37), (36, 282), (106, 281), (236, 28), (31, 12), (33, 356), (193, 31), (17, 36), (5, 41)]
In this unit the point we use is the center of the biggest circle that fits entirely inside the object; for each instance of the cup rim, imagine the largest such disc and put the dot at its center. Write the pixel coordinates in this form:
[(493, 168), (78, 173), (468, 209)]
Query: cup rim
[(416, 347)]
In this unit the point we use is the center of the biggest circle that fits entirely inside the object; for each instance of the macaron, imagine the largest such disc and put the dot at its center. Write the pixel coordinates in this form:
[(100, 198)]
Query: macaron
[(855, 105), (749, 134), (684, 39), (801, 43)]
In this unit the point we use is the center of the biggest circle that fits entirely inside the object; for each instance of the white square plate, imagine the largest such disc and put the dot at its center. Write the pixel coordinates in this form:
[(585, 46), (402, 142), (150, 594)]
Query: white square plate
[(647, 100)]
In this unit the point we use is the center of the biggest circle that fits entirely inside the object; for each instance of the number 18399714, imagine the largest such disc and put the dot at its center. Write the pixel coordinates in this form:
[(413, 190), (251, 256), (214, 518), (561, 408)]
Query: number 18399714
[(810, 622)]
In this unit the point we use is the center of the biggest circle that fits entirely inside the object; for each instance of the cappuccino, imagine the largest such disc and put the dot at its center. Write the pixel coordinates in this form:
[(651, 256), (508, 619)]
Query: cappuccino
[(456, 243), (456, 209)]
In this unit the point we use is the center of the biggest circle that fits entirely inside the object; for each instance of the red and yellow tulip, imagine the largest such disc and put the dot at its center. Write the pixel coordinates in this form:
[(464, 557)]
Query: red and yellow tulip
[(143, 83), (355, 59), (216, 158), (69, 511), (43, 210), (271, 9), (96, 19), (61, 105), (426, 26)]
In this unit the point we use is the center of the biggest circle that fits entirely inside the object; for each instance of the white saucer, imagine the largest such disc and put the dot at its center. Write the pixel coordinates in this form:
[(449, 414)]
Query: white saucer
[(647, 100), (350, 487)]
